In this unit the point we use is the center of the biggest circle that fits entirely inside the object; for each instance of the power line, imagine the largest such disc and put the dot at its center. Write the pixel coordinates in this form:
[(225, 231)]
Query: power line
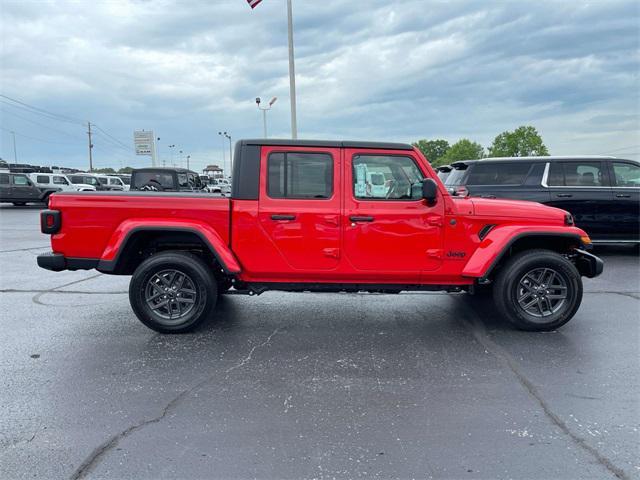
[(42, 111), (35, 138), (40, 124), (129, 148)]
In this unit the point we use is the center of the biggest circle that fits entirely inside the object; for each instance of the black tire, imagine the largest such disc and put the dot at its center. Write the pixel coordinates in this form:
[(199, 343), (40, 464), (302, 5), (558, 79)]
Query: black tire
[(192, 300), (19, 204), (518, 285)]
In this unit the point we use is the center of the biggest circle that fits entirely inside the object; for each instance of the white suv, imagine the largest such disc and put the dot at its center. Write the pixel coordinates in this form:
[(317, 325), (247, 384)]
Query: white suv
[(58, 181), (112, 182)]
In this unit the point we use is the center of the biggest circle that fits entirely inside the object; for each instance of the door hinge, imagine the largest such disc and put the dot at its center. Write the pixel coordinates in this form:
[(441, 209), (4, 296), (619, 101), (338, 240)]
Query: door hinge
[(434, 253)]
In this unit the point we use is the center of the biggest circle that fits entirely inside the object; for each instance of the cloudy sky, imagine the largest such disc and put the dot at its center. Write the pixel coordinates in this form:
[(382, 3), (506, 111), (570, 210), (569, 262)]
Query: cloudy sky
[(377, 70)]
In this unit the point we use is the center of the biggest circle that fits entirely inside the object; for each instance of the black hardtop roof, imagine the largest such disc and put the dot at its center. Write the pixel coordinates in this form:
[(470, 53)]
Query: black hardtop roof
[(555, 158), (326, 143), (163, 169)]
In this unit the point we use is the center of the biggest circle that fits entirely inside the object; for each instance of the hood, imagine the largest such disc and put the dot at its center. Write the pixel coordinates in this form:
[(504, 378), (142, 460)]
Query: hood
[(498, 207)]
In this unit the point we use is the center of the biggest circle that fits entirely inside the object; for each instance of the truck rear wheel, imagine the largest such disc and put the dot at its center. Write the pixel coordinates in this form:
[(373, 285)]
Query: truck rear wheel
[(172, 292), (538, 290)]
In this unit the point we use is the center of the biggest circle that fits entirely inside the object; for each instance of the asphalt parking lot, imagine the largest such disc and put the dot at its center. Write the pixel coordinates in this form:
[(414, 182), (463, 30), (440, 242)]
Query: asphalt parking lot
[(310, 385)]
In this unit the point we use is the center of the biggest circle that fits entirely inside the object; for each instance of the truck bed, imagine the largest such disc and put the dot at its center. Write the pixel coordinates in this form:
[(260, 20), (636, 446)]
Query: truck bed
[(81, 236)]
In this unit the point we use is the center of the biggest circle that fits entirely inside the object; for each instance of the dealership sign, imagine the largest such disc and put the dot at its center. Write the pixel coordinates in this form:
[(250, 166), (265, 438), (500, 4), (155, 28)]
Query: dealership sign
[(143, 141)]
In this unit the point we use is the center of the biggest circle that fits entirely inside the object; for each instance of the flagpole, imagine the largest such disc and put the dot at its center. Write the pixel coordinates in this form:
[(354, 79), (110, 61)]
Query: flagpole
[(292, 74)]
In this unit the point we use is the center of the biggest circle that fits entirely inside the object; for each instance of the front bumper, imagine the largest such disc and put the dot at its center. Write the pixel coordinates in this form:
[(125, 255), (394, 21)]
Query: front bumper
[(57, 262), (588, 264)]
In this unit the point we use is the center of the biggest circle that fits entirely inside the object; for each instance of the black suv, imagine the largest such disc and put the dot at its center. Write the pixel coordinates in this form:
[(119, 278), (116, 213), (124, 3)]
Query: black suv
[(602, 193), (165, 180)]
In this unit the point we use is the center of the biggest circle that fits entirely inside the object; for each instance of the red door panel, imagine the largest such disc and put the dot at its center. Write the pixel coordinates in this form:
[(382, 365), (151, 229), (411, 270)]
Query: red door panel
[(304, 231), (387, 235)]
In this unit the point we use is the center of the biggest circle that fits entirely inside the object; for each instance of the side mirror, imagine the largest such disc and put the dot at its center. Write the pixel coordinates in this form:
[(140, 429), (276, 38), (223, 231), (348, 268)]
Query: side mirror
[(430, 191)]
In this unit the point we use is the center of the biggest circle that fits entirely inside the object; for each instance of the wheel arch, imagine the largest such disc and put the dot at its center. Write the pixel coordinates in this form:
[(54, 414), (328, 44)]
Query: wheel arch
[(131, 244), (495, 250)]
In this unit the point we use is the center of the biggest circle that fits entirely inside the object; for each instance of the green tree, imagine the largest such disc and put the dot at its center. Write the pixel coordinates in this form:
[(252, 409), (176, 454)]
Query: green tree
[(463, 149), (432, 149), (125, 170), (524, 141), (107, 170)]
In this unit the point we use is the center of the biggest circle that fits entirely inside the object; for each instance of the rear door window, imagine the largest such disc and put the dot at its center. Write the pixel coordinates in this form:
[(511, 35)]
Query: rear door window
[(42, 179), (577, 174), (4, 179), (300, 175), (498, 173)]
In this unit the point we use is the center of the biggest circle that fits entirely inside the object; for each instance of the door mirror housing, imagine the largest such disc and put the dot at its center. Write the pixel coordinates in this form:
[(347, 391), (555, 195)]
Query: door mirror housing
[(430, 191)]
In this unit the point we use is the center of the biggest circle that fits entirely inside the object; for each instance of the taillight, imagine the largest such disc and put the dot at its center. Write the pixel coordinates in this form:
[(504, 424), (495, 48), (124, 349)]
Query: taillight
[(50, 221)]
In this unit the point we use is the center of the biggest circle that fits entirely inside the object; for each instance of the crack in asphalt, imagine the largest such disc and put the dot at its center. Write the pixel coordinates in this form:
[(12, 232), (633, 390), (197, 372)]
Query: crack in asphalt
[(36, 298), (96, 456), (24, 249), (480, 333)]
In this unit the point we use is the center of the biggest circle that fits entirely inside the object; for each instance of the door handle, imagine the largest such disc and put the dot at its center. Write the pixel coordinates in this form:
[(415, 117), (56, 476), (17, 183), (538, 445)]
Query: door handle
[(623, 195), (361, 219), (283, 217), (564, 195)]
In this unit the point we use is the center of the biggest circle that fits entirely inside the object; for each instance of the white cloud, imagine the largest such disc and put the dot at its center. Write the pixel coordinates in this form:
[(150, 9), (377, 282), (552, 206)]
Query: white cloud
[(398, 70)]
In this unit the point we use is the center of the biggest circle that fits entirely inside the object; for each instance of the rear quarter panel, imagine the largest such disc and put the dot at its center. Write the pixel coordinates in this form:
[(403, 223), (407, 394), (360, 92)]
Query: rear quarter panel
[(91, 219)]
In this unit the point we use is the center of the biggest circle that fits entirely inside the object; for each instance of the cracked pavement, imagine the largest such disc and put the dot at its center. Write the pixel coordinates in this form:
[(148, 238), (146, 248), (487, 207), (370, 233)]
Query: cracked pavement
[(310, 385)]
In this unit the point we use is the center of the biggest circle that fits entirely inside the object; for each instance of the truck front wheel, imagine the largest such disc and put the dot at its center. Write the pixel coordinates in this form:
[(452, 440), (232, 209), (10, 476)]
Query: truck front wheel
[(172, 292), (538, 290)]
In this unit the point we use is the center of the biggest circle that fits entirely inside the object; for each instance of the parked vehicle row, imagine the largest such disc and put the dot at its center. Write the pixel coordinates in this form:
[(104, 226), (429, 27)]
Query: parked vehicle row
[(602, 193)]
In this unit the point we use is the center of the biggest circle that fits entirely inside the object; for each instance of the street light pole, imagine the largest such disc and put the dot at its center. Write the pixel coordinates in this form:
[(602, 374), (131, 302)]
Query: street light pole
[(15, 155), (188, 157), (224, 155), (230, 154), (292, 74), (264, 112), (173, 162)]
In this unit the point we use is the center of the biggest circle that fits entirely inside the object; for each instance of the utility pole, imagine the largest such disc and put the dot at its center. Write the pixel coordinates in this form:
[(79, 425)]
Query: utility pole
[(90, 147), (15, 155), (292, 74)]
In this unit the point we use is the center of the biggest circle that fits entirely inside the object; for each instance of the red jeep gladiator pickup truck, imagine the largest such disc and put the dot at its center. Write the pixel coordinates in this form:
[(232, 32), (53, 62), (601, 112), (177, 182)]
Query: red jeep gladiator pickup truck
[(322, 216)]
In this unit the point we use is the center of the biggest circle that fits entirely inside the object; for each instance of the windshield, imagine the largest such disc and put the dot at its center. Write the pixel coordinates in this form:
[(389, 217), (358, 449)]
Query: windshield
[(455, 177)]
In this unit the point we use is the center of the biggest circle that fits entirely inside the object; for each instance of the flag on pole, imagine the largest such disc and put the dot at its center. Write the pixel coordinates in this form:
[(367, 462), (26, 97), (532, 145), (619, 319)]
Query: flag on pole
[(253, 3)]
